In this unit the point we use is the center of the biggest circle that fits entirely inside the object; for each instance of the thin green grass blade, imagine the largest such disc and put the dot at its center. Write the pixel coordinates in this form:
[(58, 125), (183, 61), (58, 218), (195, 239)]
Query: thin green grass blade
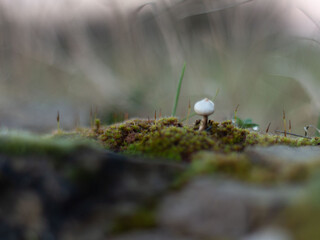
[(178, 91), (215, 96)]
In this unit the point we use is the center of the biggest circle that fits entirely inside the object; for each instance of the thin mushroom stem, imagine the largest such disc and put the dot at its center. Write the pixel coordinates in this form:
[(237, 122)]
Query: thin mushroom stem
[(203, 124)]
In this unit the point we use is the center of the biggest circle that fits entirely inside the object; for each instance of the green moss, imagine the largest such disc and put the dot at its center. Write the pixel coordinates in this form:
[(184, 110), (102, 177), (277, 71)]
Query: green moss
[(26, 143), (218, 150), (168, 138), (234, 165), (297, 172), (172, 142), (237, 165), (18, 143), (118, 137)]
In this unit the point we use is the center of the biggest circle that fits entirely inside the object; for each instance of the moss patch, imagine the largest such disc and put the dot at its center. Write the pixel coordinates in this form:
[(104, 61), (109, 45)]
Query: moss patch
[(218, 150), (118, 137), (20, 143), (168, 138), (236, 165)]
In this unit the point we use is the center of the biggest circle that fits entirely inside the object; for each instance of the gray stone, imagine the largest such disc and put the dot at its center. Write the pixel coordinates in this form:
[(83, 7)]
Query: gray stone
[(210, 207), (268, 234), (150, 235), (76, 194), (283, 154)]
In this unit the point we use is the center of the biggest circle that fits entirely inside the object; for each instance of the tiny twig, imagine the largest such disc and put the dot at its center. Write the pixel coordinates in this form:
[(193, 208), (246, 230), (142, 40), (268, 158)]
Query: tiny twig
[(292, 134)]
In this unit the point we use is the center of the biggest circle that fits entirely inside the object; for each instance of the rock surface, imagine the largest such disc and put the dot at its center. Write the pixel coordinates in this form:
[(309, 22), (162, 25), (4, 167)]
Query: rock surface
[(209, 208), (85, 193), (77, 194), (268, 234), (284, 154), (152, 235)]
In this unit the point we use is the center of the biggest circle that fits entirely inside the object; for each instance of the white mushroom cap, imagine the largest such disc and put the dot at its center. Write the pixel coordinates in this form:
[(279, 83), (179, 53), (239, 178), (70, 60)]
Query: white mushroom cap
[(205, 107)]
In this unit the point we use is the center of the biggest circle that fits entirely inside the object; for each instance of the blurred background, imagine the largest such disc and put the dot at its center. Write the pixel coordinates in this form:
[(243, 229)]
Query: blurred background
[(125, 57)]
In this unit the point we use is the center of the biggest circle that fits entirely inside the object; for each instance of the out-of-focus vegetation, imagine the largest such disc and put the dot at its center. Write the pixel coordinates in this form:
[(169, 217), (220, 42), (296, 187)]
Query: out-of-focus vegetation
[(128, 60)]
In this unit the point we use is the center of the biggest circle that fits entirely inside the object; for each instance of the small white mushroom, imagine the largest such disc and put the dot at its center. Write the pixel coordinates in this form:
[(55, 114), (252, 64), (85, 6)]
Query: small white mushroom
[(204, 108)]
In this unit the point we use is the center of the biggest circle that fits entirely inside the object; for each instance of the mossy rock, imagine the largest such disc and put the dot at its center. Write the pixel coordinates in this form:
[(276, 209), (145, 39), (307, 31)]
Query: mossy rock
[(169, 138), (218, 150), (241, 167)]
